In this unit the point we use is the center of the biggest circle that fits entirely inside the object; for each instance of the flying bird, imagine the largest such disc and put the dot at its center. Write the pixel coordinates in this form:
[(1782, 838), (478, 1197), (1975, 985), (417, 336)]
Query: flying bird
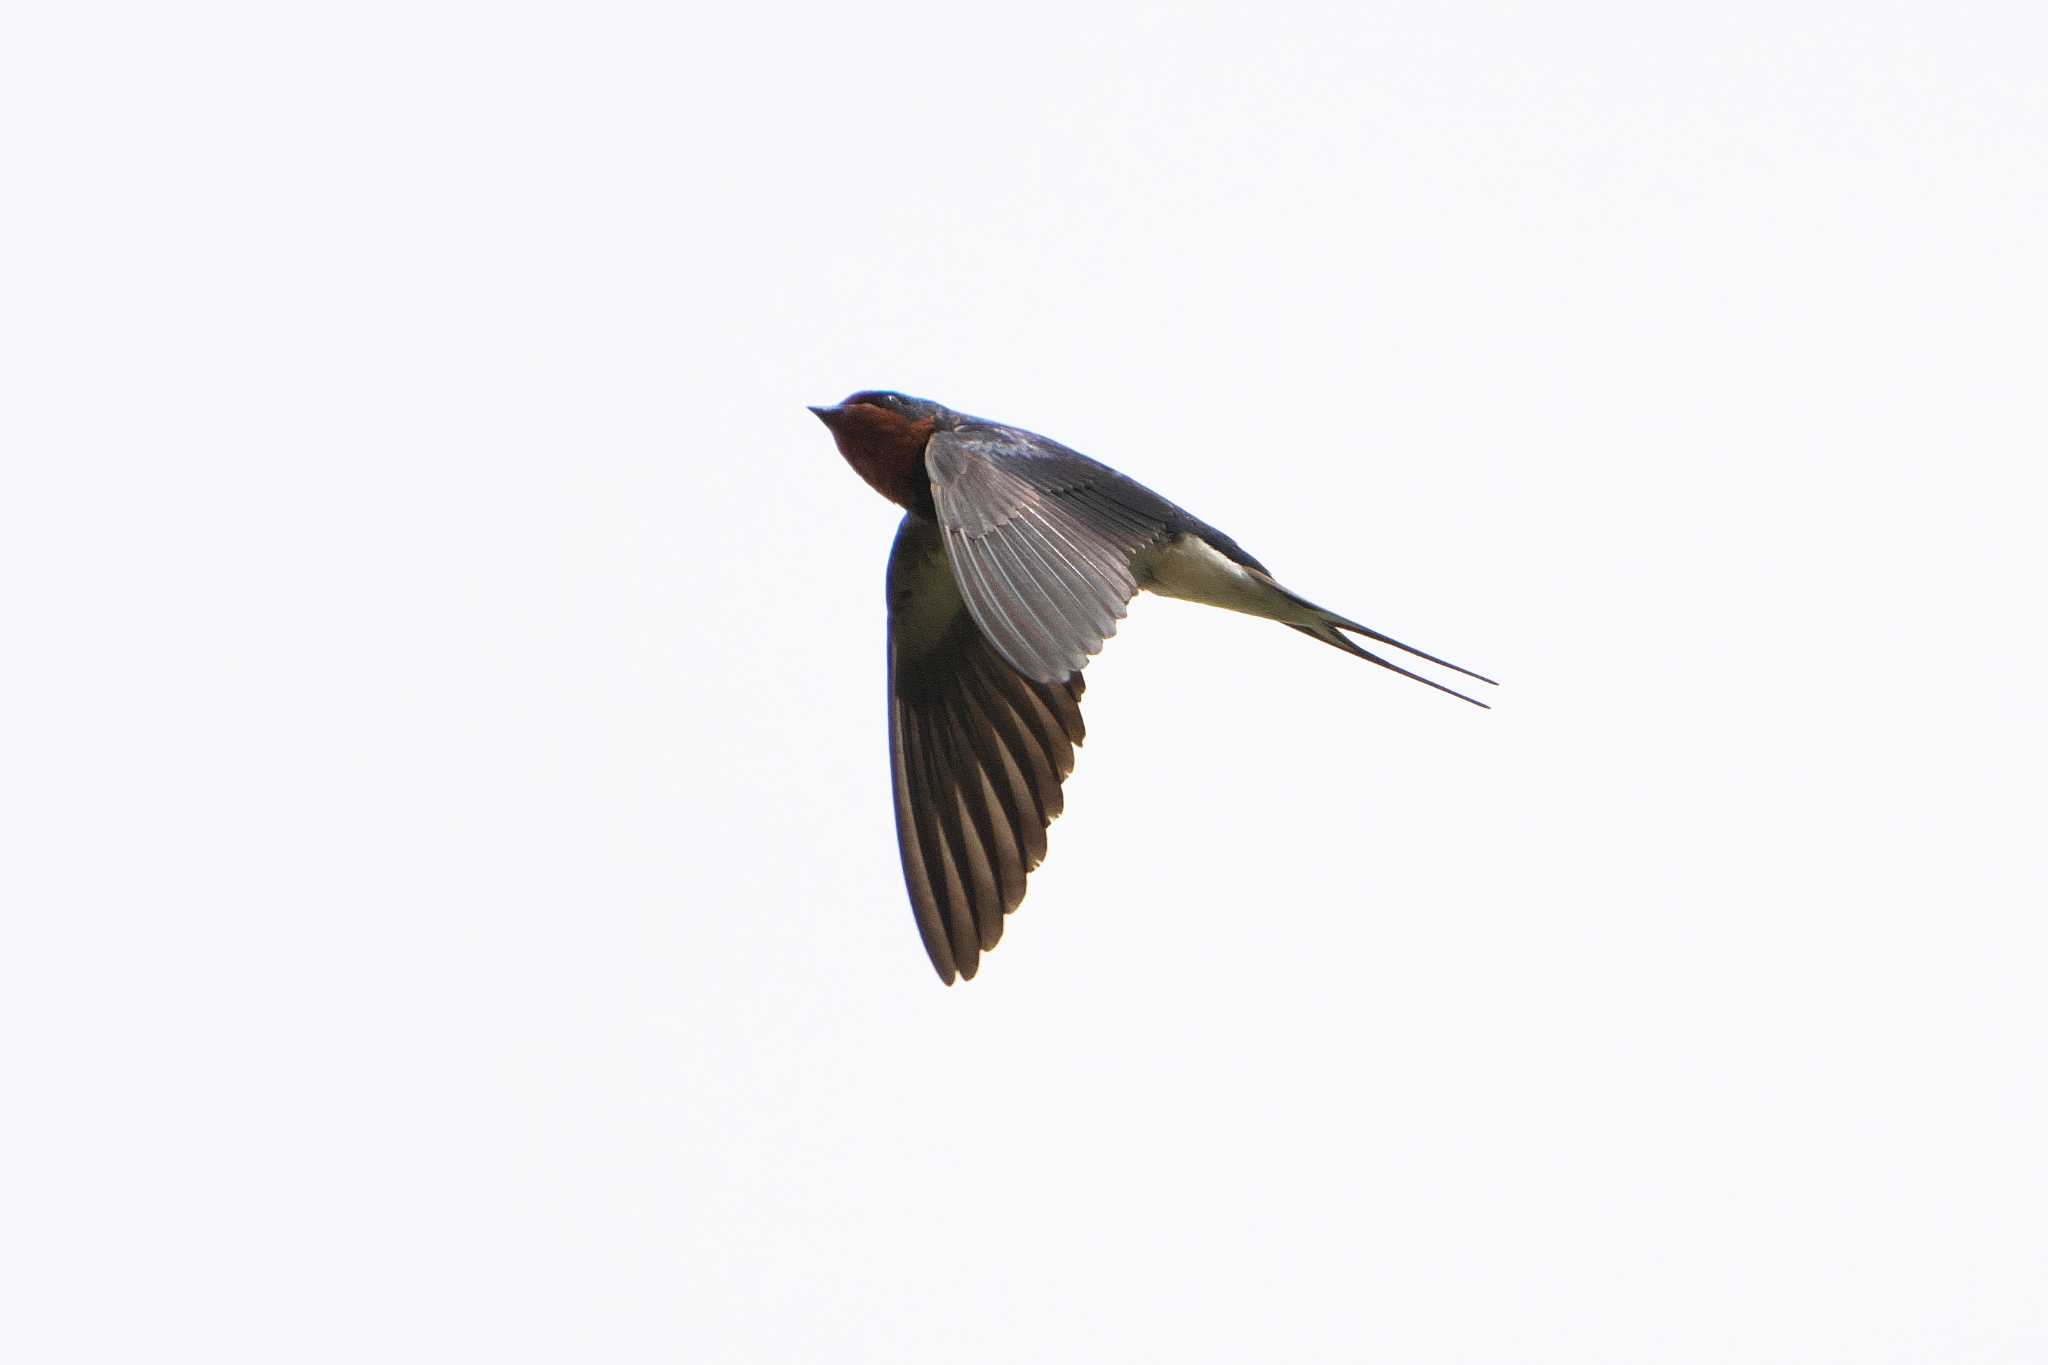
[(1015, 559)]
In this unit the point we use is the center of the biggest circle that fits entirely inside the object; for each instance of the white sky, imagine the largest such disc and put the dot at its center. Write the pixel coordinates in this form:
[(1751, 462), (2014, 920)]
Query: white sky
[(453, 912)]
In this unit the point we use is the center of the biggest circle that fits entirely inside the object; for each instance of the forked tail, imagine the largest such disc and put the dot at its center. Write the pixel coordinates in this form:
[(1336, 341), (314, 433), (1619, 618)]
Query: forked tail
[(1328, 626)]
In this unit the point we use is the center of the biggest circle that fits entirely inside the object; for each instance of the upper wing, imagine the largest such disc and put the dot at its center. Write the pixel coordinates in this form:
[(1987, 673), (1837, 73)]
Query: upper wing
[(977, 753), (1041, 539)]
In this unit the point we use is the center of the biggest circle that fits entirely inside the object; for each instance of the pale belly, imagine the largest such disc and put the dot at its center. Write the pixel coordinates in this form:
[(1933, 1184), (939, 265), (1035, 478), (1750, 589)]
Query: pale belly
[(1188, 568)]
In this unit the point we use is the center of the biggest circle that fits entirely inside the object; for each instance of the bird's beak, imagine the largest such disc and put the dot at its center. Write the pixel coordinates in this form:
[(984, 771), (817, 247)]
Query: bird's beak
[(826, 414)]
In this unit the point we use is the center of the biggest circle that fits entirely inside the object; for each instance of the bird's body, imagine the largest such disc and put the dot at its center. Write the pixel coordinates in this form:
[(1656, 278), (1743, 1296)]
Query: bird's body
[(1015, 559)]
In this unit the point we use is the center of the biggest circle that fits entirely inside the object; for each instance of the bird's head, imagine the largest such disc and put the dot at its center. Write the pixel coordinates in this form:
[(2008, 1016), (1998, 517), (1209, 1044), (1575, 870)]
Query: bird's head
[(878, 407), (883, 435)]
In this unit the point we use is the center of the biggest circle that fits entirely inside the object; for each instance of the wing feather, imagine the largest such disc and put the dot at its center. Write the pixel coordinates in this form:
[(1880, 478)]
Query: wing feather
[(977, 754), (1041, 540)]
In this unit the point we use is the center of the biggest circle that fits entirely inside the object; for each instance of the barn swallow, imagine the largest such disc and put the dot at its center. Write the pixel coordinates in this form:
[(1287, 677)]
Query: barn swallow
[(1015, 559)]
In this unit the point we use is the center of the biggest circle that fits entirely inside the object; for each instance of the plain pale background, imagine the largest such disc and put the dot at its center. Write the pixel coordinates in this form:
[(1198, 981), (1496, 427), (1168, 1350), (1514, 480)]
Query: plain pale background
[(452, 911)]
